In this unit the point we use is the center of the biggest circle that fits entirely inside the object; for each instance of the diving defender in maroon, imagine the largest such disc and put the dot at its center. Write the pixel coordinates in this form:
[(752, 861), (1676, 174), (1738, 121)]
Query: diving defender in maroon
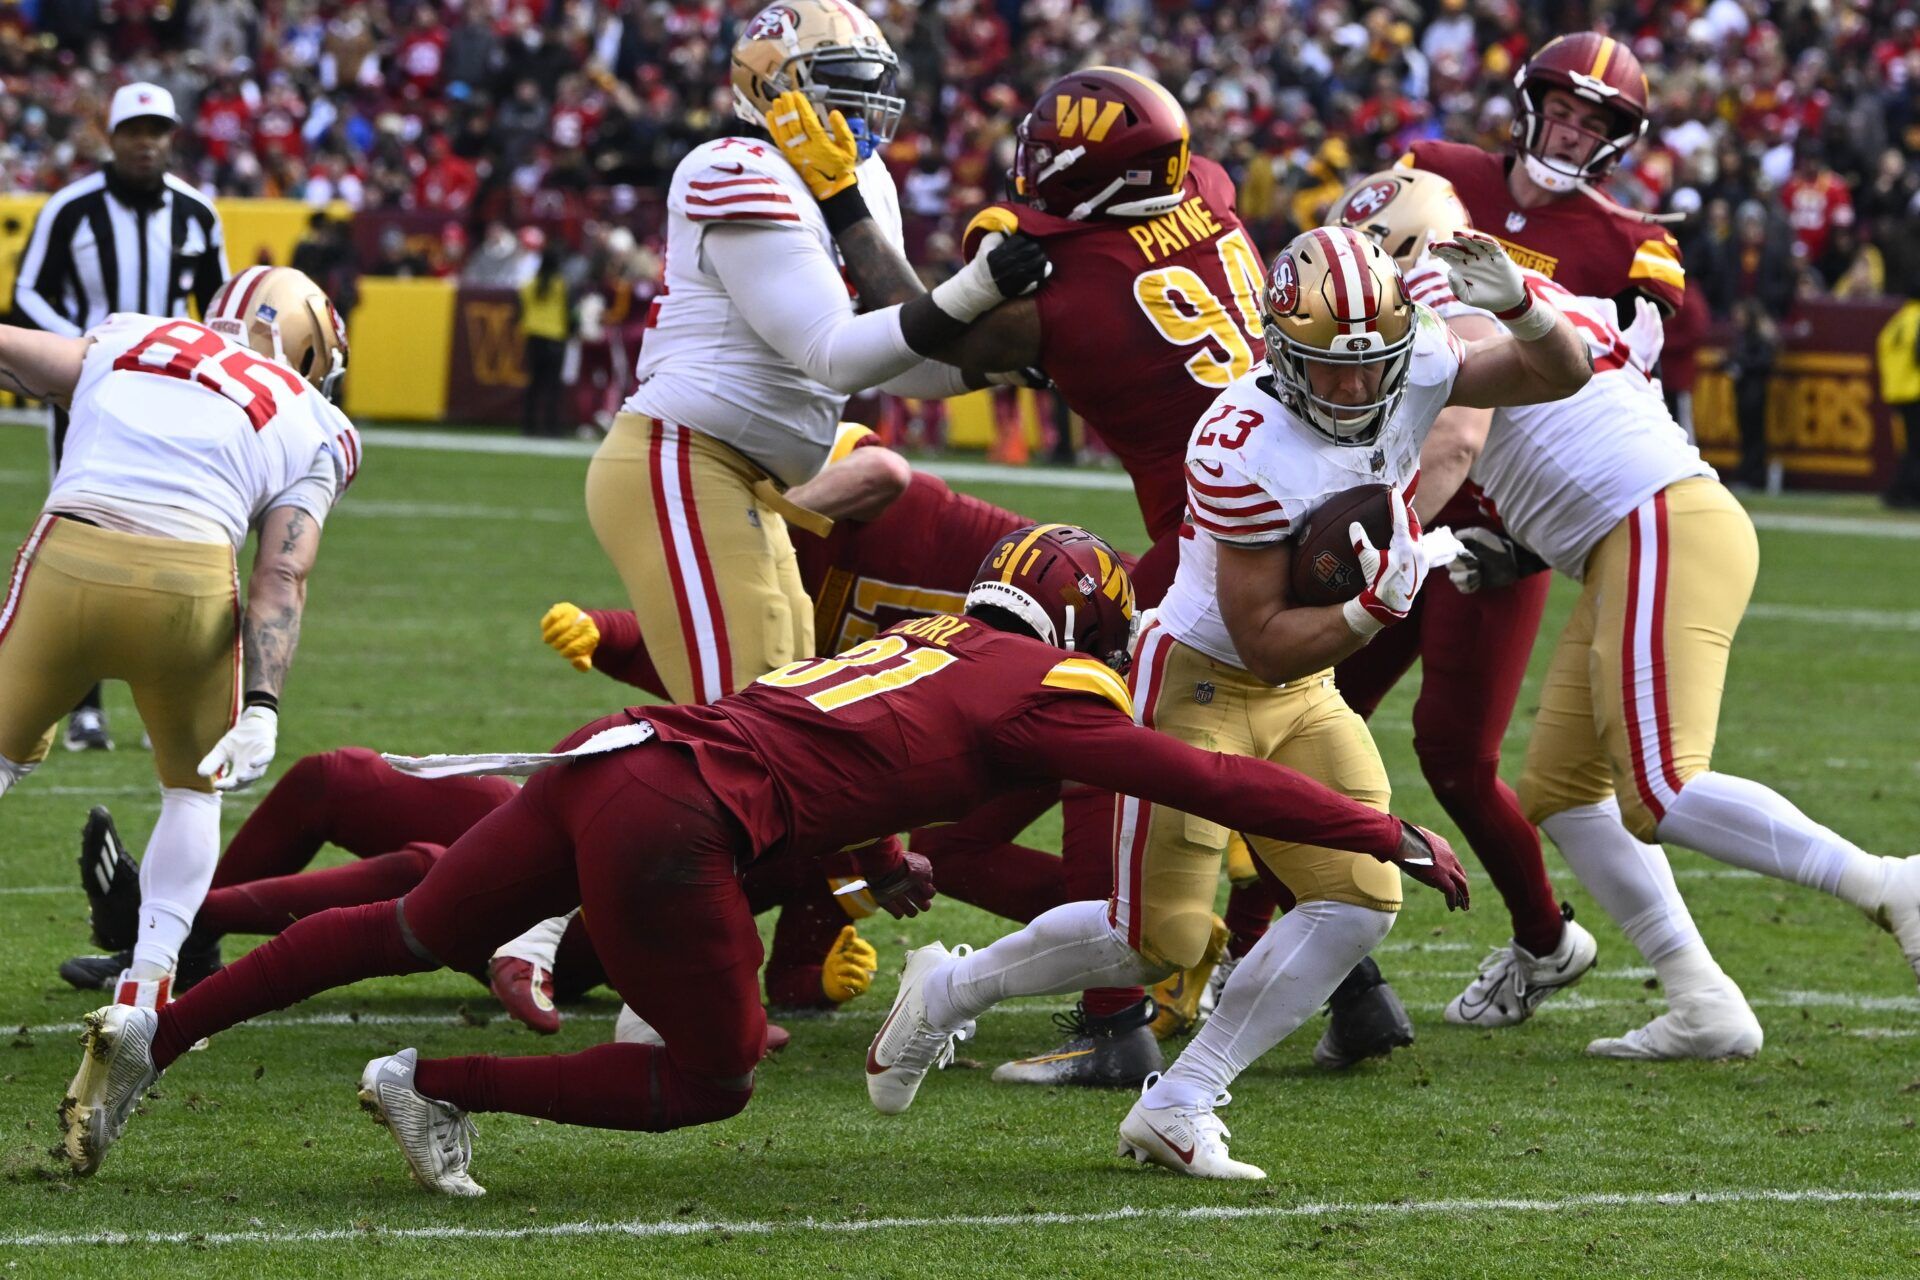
[(647, 826)]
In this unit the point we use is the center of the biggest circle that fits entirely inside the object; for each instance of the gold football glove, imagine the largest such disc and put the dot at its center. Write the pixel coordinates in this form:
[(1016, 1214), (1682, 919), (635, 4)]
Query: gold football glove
[(570, 633), (826, 156), (850, 966)]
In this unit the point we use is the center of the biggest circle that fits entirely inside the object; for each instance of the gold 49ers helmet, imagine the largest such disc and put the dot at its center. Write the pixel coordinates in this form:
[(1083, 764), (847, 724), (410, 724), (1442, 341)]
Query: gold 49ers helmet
[(1102, 141), (831, 51), (283, 315), (1334, 300), (1593, 68), (1065, 585), (1396, 208)]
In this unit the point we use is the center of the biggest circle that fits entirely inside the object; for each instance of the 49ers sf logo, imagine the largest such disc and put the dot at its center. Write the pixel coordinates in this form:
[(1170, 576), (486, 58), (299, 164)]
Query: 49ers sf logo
[(773, 23), (1369, 200), (1283, 290)]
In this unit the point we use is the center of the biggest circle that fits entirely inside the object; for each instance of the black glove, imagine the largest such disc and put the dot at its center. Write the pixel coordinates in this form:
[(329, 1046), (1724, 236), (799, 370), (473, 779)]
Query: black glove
[(1019, 264), (1490, 561)]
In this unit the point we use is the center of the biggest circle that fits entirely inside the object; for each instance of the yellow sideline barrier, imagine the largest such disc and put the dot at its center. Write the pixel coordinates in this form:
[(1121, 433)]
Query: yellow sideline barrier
[(402, 334), (970, 420)]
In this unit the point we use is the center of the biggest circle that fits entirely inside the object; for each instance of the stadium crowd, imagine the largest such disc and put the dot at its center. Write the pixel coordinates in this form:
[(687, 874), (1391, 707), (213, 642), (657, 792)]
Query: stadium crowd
[(1784, 132)]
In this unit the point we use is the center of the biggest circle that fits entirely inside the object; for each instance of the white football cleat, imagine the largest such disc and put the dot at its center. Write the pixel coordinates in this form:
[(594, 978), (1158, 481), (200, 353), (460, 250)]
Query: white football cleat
[(1706, 1025), (1899, 911), (907, 1046), (116, 1068), (1186, 1139), (435, 1137), (1513, 982)]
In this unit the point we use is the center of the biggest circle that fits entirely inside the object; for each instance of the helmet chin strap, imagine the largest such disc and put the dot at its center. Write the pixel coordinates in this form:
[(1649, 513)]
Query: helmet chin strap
[(1066, 641)]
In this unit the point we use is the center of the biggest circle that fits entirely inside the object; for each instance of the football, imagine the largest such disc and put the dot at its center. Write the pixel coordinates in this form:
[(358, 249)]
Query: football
[(1325, 570)]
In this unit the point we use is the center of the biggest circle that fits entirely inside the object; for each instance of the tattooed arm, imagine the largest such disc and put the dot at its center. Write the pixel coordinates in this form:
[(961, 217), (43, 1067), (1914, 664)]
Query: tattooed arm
[(41, 366), (276, 595)]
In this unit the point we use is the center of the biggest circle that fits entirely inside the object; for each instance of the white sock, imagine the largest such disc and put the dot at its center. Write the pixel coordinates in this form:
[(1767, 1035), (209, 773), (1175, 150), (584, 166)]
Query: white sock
[(11, 773), (1069, 948), (1753, 826), (1630, 879), (1276, 986), (174, 874), (539, 945)]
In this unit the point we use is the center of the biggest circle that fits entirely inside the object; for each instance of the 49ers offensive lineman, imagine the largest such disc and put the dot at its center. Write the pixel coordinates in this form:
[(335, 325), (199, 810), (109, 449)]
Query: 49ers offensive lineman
[(183, 437), (649, 816)]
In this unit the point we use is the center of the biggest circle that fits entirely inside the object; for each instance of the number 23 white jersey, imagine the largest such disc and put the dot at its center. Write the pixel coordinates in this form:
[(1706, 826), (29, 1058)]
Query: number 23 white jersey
[(1255, 472), (169, 414)]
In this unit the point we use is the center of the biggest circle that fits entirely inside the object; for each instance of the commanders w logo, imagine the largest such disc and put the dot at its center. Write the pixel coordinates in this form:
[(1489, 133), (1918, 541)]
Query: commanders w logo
[(1073, 116)]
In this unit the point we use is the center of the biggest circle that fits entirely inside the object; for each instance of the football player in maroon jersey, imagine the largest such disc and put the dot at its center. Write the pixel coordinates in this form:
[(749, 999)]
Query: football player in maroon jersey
[(1152, 309), (645, 817)]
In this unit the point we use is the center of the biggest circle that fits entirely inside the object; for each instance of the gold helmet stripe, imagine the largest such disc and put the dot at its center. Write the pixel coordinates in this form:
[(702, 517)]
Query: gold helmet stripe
[(1355, 305), (1601, 59), (1013, 561)]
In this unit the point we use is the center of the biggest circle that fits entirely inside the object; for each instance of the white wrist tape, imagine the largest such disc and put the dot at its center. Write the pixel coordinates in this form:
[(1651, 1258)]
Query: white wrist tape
[(1535, 323), (1359, 620), (970, 294)]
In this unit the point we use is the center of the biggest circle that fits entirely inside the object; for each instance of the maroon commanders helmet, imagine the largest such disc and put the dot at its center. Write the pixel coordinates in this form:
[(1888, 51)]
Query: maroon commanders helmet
[(1102, 141), (1594, 68), (1067, 586)]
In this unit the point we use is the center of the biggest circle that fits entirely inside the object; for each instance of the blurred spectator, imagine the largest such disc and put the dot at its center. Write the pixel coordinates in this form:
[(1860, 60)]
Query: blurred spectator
[(325, 254), (1816, 199), (546, 321), (398, 258), (496, 263), (1750, 361)]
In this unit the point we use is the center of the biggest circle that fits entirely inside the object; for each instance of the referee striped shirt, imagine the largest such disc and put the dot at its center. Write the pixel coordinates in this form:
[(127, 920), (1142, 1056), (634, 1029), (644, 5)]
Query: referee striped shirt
[(93, 253)]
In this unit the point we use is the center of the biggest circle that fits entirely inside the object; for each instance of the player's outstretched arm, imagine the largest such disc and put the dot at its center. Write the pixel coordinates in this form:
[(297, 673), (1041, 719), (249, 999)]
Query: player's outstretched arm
[(1089, 741), (1540, 358), (41, 366), (858, 487)]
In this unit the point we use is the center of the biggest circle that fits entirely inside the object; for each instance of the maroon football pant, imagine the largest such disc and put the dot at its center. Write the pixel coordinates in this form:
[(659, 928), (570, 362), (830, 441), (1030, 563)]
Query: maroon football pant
[(634, 838), (1473, 651)]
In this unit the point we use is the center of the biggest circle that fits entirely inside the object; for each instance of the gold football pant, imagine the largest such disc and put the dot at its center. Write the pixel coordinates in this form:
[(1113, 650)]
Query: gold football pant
[(1632, 697), (707, 563), (1167, 864), (86, 604)]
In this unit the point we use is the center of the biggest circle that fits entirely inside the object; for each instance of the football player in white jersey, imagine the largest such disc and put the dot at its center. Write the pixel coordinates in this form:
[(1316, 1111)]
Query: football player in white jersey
[(1355, 375), (751, 351), (1606, 488), (184, 437)]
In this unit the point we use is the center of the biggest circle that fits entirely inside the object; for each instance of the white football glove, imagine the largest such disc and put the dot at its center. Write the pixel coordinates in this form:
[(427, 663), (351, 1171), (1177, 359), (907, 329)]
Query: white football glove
[(1482, 275), (1394, 573), (240, 759), (1646, 336)]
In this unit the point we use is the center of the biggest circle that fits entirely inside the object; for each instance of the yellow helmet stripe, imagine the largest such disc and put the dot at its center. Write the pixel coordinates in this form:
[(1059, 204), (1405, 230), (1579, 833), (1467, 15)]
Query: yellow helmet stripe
[(1601, 59), (1026, 543)]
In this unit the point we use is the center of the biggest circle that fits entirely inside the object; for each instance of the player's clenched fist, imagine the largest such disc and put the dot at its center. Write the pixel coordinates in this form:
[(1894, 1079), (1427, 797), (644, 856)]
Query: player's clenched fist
[(1394, 573), (849, 968), (241, 757), (908, 889), (825, 156), (1428, 858), (569, 632)]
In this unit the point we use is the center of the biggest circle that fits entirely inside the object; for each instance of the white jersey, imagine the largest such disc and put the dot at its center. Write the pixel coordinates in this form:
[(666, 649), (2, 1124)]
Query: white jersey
[(702, 365), (1255, 472), (1561, 475), (179, 432)]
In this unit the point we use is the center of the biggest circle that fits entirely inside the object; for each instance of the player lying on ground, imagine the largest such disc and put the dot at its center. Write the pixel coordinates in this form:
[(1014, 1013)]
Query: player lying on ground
[(645, 824), (398, 826)]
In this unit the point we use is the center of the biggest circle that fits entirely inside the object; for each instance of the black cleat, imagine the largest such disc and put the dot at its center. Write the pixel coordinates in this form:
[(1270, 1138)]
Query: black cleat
[(112, 882), (1366, 1020), (100, 973), (1114, 1052), (87, 731)]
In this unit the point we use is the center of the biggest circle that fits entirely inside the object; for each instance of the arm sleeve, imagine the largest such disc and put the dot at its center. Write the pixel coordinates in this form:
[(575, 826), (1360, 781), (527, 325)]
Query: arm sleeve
[(806, 317), (929, 380), (38, 288), (1227, 506), (622, 653), (1086, 740)]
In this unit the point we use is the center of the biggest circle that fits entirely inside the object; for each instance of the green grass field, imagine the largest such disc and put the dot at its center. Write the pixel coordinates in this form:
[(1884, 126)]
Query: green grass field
[(1471, 1154)]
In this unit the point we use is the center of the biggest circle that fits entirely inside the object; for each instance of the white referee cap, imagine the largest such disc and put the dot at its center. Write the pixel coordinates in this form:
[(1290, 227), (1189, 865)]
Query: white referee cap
[(132, 101)]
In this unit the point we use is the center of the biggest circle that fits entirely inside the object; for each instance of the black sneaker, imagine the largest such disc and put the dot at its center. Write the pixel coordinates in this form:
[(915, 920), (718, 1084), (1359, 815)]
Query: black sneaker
[(1365, 1020), (87, 731), (100, 973), (1113, 1052), (111, 880)]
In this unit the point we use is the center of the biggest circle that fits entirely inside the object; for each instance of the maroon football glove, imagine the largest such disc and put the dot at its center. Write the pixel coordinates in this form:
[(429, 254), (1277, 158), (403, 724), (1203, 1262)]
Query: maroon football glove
[(908, 890), (1429, 859)]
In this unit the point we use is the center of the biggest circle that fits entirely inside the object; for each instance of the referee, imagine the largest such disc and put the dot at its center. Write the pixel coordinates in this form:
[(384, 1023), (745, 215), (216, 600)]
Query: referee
[(131, 237)]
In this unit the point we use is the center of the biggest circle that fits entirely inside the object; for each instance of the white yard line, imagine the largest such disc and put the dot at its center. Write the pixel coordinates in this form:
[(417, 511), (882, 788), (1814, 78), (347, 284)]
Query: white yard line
[(670, 1227)]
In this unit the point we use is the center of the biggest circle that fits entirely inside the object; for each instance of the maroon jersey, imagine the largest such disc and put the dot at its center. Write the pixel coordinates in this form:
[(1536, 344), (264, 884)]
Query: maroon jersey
[(1143, 322), (1582, 244), (936, 716), (919, 557)]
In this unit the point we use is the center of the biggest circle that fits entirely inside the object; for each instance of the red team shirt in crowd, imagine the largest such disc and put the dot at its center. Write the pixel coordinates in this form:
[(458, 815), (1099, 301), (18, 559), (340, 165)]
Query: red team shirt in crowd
[(930, 719), (1815, 206), (1144, 322)]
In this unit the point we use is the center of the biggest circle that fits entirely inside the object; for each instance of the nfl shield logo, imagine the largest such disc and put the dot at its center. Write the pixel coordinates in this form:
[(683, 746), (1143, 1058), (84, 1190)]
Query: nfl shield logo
[(1203, 692), (1516, 221), (1378, 460)]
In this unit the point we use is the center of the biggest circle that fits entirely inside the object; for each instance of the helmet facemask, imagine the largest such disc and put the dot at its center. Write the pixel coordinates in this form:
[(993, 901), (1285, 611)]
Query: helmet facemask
[(1533, 130), (1349, 426), (858, 83)]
